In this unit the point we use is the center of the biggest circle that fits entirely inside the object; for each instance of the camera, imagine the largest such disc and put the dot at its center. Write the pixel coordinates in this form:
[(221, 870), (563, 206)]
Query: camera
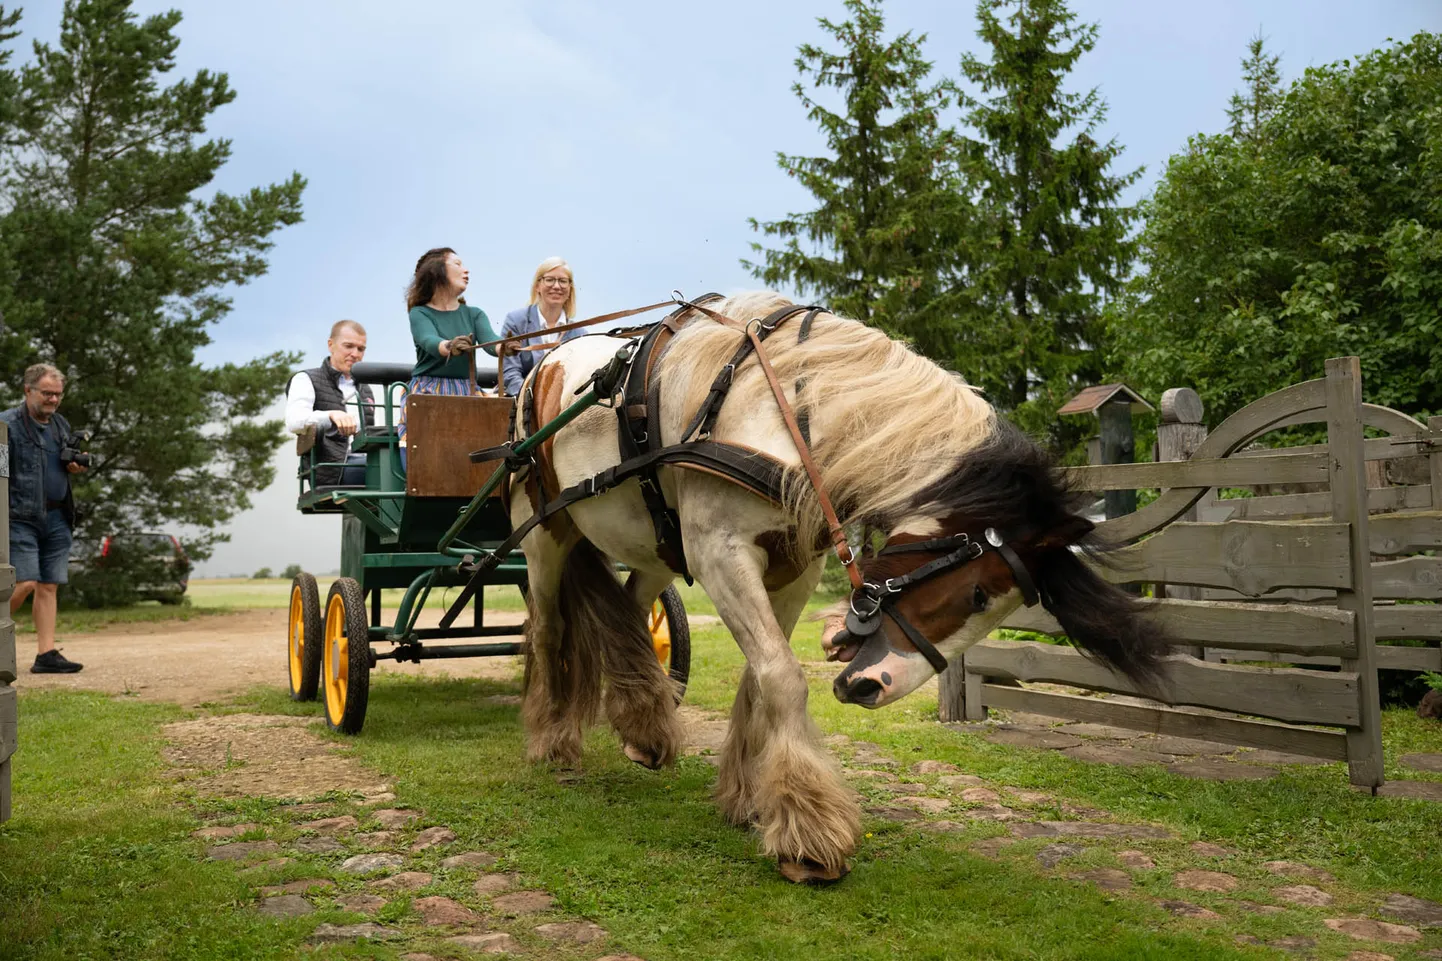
[(68, 453)]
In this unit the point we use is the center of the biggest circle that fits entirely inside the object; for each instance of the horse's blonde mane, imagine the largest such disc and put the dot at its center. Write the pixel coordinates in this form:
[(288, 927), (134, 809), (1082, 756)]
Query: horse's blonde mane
[(886, 423)]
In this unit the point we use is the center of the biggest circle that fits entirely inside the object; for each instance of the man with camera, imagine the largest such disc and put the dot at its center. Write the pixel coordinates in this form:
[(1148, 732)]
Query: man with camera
[(43, 455)]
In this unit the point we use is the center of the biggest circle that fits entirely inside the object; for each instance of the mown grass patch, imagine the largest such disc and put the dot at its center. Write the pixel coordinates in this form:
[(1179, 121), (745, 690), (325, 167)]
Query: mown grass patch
[(99, 862)]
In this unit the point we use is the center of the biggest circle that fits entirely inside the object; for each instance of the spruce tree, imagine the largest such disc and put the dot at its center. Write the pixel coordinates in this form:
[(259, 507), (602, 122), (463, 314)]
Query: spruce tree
[(114, 261), (1249, 110), (876, 246), (1052, 236)]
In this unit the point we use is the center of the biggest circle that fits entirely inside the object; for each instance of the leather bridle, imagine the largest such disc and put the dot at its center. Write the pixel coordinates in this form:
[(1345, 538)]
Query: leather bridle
[(872, 601)]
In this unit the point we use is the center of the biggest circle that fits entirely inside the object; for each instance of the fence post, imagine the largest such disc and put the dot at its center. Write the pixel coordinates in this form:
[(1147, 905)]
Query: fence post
[(1180, 432), (1434, 460), (9, 705), (1347, 471)]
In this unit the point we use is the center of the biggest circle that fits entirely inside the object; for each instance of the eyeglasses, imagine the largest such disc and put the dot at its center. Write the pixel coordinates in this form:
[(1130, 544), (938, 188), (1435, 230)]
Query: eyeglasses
[(49, 394), (555, 282)]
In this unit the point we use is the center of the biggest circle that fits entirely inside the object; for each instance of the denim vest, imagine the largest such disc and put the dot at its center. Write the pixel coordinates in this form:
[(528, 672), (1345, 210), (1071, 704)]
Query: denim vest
[(27, 466)]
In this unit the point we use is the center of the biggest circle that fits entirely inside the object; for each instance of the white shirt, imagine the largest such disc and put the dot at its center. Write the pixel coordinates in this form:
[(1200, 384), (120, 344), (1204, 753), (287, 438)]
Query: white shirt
[(300, 411), (553, 338)]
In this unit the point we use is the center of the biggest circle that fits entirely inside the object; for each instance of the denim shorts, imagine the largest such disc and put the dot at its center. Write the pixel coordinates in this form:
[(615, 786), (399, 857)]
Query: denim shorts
[(41, 554)]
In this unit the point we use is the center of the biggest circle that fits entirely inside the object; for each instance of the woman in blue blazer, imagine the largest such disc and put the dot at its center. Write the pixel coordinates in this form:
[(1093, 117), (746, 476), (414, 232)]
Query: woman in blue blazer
[(553, 303)]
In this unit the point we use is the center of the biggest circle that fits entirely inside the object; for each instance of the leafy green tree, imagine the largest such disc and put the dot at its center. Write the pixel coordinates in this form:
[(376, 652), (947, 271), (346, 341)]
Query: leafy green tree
[(1318, 238), (291, 572), (1249, 111), (876, 246), (262, 574), (116, 257), (1052, 238)]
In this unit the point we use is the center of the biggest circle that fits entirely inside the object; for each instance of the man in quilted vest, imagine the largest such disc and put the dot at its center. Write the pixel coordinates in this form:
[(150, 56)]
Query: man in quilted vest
[(322, 402)]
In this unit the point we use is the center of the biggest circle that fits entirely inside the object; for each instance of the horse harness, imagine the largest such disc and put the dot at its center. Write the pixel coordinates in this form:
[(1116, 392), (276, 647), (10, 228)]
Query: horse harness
[(639, 437)]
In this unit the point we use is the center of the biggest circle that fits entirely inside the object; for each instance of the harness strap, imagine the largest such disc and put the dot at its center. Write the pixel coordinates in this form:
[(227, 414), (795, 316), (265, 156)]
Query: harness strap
[(633, 435), (506, 342), (744, 466), (838, 534), (917, 639)]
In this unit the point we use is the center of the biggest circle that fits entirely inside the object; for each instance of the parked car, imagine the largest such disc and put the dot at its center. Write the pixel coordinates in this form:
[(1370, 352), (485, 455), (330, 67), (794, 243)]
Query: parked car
[(157, 563)]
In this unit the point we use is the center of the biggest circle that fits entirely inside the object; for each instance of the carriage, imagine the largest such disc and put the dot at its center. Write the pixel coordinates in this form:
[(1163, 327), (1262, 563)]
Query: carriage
[(417, 524)]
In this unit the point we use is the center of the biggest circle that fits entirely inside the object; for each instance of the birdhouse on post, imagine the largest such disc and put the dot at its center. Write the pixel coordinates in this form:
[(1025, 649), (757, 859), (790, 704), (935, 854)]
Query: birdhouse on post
[(1113, 406)]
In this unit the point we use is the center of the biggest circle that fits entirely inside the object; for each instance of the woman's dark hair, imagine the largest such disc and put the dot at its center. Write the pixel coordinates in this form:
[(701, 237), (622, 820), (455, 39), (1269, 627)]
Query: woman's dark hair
[(430, 276)]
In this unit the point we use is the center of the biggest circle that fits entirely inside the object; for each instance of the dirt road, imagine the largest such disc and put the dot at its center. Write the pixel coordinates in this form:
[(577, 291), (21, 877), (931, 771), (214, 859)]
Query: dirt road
[(211, 658)]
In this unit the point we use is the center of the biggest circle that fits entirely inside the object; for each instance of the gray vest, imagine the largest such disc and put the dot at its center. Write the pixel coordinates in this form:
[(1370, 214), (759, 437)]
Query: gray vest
[(330, 446)]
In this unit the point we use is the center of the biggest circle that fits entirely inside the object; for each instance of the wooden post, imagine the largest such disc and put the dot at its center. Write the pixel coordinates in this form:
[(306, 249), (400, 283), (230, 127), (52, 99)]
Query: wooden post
[(1347, 471), (958, 696), (1434, 424), (1180, 432), (951, 692), (1118, 447), (9, 705)]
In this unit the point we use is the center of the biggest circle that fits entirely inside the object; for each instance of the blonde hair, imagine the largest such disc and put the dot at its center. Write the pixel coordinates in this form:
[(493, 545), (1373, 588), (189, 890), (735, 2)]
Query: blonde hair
[(547, 265), (887, 423)]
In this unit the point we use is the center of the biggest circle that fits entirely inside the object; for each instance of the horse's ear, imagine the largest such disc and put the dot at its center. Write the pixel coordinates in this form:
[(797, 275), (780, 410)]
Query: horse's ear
[(1072, 528)]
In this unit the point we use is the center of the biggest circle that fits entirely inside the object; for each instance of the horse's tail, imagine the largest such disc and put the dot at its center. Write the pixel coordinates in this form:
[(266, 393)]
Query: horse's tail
[(1101, 618), (606, 630)]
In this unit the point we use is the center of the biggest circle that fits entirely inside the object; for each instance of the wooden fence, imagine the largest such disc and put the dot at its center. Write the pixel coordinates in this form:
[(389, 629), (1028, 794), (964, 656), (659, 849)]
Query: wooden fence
[(1256, 582), (9, 704)]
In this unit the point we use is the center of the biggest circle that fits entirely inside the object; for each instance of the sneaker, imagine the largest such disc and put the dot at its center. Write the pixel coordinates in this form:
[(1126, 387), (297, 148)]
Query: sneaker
[(53, 662)]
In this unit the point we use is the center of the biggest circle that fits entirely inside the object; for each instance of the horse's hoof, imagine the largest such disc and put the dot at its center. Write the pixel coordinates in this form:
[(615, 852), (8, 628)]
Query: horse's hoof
[(807, 871), (643, 758)]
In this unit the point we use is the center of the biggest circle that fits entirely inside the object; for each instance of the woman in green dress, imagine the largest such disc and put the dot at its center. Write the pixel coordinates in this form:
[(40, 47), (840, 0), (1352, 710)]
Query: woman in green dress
[(444, 327)]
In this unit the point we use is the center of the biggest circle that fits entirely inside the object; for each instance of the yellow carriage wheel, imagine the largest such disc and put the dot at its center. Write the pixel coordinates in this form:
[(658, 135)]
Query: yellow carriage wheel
[(303, 638), (671, 637), (346, 657)]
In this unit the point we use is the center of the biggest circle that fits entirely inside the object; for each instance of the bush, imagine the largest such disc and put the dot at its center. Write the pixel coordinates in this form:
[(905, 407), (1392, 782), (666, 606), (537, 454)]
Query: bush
[(291, 572), (262, 574)]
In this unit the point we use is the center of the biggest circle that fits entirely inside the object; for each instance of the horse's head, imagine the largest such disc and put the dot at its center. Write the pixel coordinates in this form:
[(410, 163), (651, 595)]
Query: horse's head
[(997, 533)]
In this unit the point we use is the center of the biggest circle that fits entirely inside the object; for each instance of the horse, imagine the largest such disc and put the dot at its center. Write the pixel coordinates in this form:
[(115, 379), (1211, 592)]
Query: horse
[(902, 446)]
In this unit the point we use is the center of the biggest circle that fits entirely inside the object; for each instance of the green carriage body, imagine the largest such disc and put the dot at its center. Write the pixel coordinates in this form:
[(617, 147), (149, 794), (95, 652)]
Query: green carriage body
[(396, 533)]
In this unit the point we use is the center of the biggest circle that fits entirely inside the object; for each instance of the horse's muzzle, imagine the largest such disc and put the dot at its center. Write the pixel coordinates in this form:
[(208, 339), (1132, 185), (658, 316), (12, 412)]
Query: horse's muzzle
[(856, 690)]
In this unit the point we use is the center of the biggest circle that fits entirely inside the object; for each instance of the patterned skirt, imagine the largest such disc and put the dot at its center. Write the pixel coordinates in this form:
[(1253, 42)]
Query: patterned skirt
[(448, 386)]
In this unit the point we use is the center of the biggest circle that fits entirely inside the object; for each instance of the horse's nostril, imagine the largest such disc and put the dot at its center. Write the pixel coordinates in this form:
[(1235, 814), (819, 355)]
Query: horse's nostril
[(864, 691)]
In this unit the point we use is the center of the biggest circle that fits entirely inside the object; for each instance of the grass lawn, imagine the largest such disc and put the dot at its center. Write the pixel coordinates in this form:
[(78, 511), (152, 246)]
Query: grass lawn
[(98, 862)]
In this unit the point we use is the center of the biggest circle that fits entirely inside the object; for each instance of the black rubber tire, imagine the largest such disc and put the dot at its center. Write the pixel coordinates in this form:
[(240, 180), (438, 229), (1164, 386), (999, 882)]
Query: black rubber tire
[(680, 628), (312, 631), (349, 716)]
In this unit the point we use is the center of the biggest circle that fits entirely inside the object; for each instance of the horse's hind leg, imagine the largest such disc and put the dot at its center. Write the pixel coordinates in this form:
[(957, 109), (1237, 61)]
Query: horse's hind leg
[(640, 699), (774, 762), (553, 723)]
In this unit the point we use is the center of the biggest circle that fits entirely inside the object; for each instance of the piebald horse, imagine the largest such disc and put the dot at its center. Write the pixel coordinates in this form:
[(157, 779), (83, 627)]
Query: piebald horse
[(901, 445)]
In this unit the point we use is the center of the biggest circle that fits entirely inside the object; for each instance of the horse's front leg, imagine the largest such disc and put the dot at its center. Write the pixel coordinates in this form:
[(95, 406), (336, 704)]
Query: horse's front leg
[(774, 769), (553, 724)]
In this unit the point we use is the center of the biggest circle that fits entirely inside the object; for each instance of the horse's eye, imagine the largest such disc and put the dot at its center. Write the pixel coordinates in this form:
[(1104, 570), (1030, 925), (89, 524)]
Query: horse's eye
[(978, 599)]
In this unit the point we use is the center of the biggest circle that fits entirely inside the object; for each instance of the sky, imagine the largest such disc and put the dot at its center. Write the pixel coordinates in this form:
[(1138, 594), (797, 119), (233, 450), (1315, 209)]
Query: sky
[(632, 138)]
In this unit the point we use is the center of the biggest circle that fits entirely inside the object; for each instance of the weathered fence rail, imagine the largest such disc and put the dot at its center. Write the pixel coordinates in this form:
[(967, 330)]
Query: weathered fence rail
[(9, 704), (1299, 579)]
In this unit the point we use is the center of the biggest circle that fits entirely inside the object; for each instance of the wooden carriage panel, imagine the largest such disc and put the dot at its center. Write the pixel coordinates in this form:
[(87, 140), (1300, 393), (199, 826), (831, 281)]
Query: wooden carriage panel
[(441, 432)]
